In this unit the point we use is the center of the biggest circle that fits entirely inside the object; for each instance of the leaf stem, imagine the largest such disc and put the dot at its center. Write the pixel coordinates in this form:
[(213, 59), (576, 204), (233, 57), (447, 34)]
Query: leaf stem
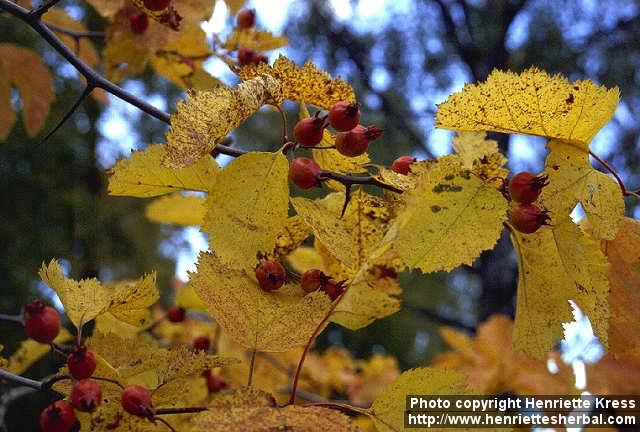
[(614, 173)]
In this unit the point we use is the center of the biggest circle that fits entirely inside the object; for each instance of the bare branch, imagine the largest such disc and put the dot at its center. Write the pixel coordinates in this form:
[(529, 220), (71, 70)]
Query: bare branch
[(77, 34)]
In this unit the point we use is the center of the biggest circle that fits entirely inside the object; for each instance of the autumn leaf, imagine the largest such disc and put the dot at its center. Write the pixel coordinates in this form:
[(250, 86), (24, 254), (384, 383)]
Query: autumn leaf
[(188, 299), (142, 175), (532, 102), (247, 206), (305, 258), (107, 8), (86, 299), (306, 83), (265, 321), (449, 218), (83, 47), (35, 88), (482, 156), (388, 410), (623, 252), (177, 209), (207, 117), (29, 351), (572, 179), (167, 16), (255, 411), (258, 40), (292, 235), (557, 264)]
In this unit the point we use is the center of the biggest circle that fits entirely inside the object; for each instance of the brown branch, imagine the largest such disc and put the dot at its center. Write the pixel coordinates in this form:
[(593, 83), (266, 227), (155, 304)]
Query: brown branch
[(187, 410), (77, 35)]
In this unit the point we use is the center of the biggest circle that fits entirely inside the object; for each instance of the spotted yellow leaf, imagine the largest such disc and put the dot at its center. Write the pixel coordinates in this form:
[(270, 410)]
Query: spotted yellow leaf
[(177, 209), (573, 179), (207, 117), (247, 206), (292, 235), (142, 175), (267, 321), (532, 102), (557, 264), (305, 258), (251, 410), (307, 83), (29, 351), (450, 217), (388, 410), (255, 39), (86, 299), (188, 299), (35, 88), (482, 156)]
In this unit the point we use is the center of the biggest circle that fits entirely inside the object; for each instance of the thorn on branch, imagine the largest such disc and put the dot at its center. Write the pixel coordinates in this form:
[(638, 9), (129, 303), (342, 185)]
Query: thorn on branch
[(85, 93)]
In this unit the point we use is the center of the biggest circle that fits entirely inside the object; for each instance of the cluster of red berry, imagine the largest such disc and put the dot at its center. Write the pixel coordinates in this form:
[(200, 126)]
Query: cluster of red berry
[(246, 19), (271, 276), (525, 188)]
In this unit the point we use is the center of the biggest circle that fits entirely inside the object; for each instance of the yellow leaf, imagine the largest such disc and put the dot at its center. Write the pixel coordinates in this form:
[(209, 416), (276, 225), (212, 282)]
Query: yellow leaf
[(142, 175), (207, 117), (177, 209), (35, 87), (107, 323), (305, 258), (266, 321), (388, 410), (167, 16), (482, 156), (188, 299), (86, 299), (556, 265), (107, 8), (307, 83), (623, 253), (450, 217), (247, 206), (131, 299), (31, 351), (258, 40), (124, 57), (7, 114), (572, 179), (251, 410), (532, 102), (293, 234)]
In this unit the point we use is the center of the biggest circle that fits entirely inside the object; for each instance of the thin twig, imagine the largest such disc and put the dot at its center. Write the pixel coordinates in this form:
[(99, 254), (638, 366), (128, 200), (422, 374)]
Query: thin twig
[(77, 34), (36, 385), (340, 406), (251, 365), (283, 118), (85, 93), (11, 318), (614, 173), (32, 18), (187, 410)]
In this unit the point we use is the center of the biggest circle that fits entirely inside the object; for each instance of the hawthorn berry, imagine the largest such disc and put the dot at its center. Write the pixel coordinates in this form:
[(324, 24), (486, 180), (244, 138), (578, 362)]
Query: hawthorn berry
[(136, 400), (81, 362), (176, 314), (344, 116), (201, 343), (308, 131), (57, 417), (139, 22), (271, 275), (333, 289), (525, 187), (215, 382), (527, 218), (304, 172), (312, 280), (86, 395), (356, 141), (402, 165), (246, 18), (41, 322), (247, 56), (156, 5)]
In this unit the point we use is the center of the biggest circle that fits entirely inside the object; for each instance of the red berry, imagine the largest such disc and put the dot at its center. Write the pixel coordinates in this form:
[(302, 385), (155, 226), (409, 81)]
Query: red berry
[(527, 218), (312, 280), (246, 18), (139, 22), (176, 314), (156, 5), (201, 343), (136, 400), (247, 56), (525, 187), (304, 172), (57, 417), (356, 141), (41, 322), (270, 275), (332, 289), (402, 165), (81, 362), (308, 131), (344, 116), (215, 382), (86, 395)]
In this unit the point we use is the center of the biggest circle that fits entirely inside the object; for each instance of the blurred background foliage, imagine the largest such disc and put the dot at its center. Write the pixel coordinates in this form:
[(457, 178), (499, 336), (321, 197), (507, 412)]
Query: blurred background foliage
[(402, 57)]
